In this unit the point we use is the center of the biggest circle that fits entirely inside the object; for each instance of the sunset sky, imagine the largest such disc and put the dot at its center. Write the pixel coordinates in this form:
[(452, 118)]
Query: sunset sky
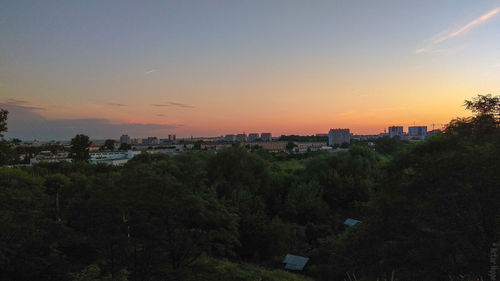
[(208, 68)]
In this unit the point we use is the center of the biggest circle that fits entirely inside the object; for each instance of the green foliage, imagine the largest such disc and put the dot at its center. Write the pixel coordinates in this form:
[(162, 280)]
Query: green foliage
[(125, 146), (80, 147), (485, 121), (428, 211), (484, 105), (6, 152), (3, 121), (290, 145), (109, 144), (434, 211), (216, 270), (55, 185), (93, 273), (387, 145)]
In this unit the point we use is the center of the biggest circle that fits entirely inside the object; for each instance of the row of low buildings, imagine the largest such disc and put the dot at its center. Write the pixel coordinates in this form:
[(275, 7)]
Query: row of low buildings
[(340, 136), (148, 141), (108, 157), (154, 141), (120, 157), (414, 132), (252, 137)]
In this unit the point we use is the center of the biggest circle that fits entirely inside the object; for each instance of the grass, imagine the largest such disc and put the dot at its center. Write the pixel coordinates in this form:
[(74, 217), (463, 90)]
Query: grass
[(209, 269)]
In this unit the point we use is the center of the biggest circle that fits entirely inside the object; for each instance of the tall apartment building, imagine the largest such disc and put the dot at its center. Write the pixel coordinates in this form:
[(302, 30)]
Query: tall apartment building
[(125, 139), (150, 141), (241, 137), (266, 137), (136, 141), (339, 136), (229, 138), (395, 131), (417, 131), (253, 137)]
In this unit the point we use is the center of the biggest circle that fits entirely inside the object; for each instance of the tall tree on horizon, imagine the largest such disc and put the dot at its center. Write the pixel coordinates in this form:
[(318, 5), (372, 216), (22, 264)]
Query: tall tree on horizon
[(3, 121), (80, 147), (109, 144)]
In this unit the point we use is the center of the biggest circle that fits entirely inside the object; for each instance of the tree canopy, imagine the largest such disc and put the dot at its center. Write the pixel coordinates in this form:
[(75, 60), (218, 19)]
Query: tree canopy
[(80, 147), (427, 211), (3, 121)]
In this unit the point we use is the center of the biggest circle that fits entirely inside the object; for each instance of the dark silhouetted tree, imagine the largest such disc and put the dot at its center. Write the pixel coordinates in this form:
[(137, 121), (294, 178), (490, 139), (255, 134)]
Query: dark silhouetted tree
[(80, 147), (485, 121), (3, 121), (124, 146), (109, 144)]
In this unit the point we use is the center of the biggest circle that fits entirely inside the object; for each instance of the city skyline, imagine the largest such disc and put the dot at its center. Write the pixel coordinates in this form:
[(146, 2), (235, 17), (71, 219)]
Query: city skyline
[(285, 67)]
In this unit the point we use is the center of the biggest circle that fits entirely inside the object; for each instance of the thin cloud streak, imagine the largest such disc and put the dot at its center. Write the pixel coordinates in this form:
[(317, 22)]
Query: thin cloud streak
[(116, 104), (26, 123), (181, 105), (444, 36), (168, 104), (151, 71), (20, 104)]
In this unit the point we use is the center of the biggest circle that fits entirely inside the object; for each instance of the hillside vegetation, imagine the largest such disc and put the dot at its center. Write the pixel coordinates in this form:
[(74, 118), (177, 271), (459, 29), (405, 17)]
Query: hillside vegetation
[(428, 211)]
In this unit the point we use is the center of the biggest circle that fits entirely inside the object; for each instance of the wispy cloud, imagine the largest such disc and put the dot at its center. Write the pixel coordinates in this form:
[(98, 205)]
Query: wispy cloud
[(151, 71), (447, 35), (20, 104), (183, 105), (116, 104), (25, 122)]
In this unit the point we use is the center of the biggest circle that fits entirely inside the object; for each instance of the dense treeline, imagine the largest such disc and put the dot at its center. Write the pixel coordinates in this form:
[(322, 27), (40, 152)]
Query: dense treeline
[(428, 211)]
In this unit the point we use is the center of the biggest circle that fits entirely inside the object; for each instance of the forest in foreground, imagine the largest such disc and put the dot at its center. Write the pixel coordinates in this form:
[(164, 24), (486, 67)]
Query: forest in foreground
[(429, 210)]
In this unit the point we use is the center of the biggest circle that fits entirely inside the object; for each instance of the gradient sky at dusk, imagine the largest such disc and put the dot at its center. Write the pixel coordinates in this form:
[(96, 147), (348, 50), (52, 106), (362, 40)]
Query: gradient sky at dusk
[(207, 68)]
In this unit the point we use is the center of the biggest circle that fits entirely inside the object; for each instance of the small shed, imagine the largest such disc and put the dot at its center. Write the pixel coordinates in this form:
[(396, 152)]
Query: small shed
[(293, 262)]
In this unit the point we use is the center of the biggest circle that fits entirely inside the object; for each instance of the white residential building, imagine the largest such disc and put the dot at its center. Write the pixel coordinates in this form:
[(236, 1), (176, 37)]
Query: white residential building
[(418, 132), (395, 131)]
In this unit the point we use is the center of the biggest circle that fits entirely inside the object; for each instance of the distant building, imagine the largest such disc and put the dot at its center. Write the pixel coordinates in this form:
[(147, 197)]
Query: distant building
[(419, 132), (366, 137), (112, 157), (396, 131), (432, 132), (241, 137), (266, 137), (150, 141), (125, 139), (339, 136), (309, 146), (136, 141), (253, 137), (47, 156), (273, 145), (171, 137), (230, 138)]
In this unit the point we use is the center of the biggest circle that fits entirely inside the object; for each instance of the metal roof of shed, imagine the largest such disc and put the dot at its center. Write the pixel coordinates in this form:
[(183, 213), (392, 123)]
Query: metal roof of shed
[(293, 262)]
